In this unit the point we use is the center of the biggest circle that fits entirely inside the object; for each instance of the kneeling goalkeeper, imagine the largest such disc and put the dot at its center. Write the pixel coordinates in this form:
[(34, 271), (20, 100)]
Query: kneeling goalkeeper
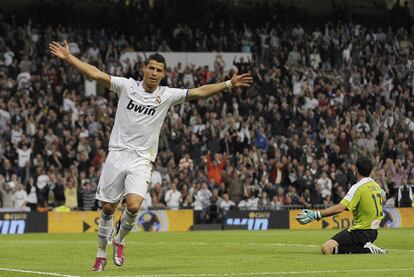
[(364, 200)]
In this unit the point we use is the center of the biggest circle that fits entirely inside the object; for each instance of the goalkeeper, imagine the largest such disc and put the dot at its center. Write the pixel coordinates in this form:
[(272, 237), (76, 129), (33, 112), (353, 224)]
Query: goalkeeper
[(364, 200)]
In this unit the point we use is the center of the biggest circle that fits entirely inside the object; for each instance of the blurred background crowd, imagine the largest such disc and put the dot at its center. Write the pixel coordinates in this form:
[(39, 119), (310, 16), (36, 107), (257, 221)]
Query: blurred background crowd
[(323, 94)]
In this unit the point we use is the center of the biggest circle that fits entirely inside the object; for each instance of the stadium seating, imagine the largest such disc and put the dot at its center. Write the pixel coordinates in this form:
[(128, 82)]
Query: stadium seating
[(323, 94)]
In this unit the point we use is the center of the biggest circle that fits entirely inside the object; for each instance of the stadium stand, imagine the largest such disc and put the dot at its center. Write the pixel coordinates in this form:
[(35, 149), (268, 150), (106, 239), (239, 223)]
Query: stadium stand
[(323, 94)]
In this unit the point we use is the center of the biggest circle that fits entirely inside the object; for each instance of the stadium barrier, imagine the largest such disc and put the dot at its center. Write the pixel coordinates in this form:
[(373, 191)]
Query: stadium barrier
[(256, 220), (22, 222), (185, 220), (149, 220), (393, 218)]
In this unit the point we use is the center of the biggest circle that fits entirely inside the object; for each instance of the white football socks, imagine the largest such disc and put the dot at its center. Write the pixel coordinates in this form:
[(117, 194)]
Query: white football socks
[(104, 230), (127, 224)]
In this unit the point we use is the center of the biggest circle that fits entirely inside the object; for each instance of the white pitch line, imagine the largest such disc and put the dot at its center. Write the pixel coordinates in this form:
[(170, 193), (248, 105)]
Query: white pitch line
[(290, 244), (199, 243), (36, 272), (222, 274), (250, 244), (268, 273)]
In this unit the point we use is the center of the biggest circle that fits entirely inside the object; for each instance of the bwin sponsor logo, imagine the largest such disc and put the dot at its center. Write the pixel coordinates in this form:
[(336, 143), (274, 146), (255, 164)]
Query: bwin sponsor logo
[(140, 109), (12, 227), (251, 223)]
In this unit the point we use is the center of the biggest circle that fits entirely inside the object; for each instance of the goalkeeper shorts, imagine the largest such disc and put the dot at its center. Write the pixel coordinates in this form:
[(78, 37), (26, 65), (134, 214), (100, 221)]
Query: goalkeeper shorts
[(355, 237)]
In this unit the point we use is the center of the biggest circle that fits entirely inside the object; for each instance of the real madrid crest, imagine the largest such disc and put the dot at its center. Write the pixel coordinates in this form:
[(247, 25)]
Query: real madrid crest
[(158, 100)]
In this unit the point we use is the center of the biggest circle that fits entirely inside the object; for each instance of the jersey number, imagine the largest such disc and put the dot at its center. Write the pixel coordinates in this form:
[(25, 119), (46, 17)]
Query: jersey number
[(377, 202)]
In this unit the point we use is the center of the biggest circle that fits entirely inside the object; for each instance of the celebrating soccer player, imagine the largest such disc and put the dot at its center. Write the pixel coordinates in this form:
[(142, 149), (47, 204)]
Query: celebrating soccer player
[(133, 145), (364, 199)]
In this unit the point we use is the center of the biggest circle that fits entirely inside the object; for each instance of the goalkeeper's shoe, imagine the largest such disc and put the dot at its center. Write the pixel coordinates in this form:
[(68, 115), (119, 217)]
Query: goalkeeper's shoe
[(118, 253), (99, 265), (374, 249)]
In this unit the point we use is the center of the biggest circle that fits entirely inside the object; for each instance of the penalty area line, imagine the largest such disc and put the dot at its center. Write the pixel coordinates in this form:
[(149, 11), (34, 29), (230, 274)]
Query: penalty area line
[(258, 244), (276, 273), (36, 272), (269, 273)]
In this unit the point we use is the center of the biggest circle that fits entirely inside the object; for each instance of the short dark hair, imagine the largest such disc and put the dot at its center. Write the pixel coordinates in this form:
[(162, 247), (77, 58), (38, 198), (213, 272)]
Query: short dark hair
[(156, 57), (364, 166)]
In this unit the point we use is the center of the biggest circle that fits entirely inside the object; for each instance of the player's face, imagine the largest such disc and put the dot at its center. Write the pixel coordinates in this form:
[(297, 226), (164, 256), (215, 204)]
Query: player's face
[(153, 73), (355, 171)]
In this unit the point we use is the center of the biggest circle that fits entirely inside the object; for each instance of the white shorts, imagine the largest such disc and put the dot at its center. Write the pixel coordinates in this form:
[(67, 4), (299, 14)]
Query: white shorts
[(123, 172)]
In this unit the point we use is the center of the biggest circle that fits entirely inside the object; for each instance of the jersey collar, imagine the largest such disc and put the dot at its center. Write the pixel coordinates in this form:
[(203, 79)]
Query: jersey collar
[(141, 87), (364, 180)]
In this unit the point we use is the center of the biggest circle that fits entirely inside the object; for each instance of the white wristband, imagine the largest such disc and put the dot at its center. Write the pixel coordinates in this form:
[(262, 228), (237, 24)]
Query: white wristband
[(318, 215), (229, 84)]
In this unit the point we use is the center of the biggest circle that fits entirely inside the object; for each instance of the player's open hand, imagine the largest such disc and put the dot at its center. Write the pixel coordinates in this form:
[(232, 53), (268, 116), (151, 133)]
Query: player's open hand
[(243, 80), (62, 52), (307, 216)]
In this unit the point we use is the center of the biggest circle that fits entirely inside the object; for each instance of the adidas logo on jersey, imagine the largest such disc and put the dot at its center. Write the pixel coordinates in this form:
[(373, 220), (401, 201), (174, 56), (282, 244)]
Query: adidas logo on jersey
[(140, 109)]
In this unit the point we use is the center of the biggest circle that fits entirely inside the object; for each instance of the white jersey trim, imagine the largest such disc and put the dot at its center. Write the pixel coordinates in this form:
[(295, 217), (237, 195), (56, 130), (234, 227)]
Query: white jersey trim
[(355, 187)]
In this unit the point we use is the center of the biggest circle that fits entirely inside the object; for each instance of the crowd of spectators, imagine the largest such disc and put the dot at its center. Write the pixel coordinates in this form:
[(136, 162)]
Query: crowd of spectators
[(322, 96)]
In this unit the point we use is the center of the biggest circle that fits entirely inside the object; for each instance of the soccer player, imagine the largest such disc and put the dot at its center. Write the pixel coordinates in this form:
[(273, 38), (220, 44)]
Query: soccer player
[(133, 145), (364, 200)]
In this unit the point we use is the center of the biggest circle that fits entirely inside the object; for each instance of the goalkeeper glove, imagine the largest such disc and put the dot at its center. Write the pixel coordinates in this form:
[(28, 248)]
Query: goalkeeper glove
[(307, 216)]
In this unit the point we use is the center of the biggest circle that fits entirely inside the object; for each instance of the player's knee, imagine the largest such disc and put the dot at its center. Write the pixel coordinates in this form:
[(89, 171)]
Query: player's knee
[(133, 209), (326, 250), (108, 209), (133, 203)]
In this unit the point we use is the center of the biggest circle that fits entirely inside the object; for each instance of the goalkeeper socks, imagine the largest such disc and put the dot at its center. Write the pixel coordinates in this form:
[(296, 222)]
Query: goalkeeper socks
[(104, 230), (128, 220), (351, 250)]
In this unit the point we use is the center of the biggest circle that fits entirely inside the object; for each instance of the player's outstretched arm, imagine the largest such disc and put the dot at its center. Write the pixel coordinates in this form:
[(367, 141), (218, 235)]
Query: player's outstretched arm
[(90, 71), (337, 209), (243, 80), (307, 216)]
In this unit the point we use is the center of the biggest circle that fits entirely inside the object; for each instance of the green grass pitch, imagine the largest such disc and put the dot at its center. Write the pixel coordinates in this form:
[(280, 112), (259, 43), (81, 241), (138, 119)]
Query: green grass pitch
[(205, 254)]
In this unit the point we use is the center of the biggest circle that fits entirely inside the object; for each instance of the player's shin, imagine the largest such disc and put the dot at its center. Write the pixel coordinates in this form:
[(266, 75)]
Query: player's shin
[(128, 220), (104, 230)]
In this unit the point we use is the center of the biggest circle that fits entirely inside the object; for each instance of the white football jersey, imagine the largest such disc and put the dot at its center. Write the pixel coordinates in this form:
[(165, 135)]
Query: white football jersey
[(140, 115)]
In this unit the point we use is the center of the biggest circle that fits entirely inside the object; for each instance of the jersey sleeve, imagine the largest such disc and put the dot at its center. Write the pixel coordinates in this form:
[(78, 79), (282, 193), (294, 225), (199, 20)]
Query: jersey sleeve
[(351, 199), (117, 83), (177, 96)]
